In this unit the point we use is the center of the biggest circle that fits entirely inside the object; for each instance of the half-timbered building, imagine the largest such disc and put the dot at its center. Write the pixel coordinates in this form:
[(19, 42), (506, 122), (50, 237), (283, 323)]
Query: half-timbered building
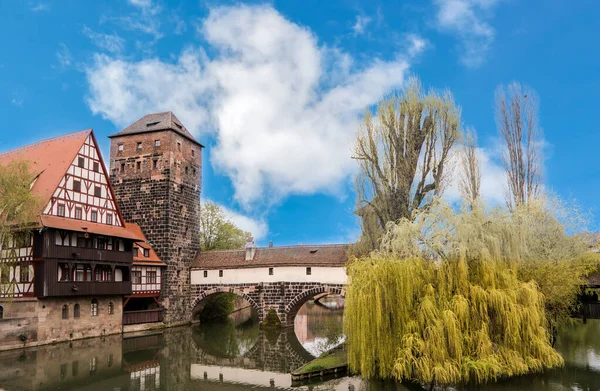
[(66, 278)]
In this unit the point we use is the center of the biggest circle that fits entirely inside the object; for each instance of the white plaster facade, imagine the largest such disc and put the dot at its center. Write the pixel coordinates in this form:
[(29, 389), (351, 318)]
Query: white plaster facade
[(319, 274)]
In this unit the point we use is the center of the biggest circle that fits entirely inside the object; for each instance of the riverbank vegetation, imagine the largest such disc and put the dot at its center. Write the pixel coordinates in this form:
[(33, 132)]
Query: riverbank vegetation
[(455, 293)]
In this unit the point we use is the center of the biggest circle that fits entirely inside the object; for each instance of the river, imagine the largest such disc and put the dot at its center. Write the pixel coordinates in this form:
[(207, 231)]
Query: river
[(229, 358)]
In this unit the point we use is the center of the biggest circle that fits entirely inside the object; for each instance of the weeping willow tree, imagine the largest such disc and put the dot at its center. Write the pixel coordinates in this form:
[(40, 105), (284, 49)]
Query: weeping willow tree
[(457, 297)]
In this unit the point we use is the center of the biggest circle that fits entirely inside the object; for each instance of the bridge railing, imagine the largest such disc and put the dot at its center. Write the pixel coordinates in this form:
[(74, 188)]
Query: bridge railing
[(145, 316)]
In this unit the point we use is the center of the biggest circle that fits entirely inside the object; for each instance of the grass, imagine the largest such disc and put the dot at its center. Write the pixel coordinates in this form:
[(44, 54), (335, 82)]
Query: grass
[(333, 359)]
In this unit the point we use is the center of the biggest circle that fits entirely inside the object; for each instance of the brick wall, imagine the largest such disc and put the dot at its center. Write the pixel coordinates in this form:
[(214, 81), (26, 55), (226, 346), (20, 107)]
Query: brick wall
[(162, 195)]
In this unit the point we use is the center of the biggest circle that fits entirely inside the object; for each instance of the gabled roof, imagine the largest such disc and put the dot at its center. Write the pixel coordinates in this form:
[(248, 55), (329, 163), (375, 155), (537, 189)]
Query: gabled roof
[(50, 159), (329, 255), (153, 259), (156, 122)]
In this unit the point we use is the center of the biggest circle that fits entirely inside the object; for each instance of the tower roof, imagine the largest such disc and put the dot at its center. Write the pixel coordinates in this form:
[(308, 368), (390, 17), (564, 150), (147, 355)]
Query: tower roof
[(156, 122)]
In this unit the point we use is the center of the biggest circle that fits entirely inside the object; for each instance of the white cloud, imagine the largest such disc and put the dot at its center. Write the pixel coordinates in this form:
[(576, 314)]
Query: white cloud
[(39, 7), (64, 56), (361, 24), (467, 19), (141, 3), (109, 42), (257, 227), (283, 109), (145, 20), (415, 44), (493, 178)]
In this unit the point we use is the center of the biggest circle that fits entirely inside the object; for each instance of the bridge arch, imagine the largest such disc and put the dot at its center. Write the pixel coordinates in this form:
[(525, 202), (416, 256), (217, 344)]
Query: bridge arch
[(292, 308), (200, 301)]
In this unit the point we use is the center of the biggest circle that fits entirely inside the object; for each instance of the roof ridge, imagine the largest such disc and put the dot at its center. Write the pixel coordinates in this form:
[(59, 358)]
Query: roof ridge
[(25, 147), (280, 247)]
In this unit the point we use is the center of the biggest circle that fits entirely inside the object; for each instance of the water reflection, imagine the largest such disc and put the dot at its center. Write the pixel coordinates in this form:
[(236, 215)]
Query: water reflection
[(225, 357)]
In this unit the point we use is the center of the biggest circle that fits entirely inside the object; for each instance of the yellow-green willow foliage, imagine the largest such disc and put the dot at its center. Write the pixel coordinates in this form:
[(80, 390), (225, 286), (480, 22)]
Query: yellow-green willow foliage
[(463, 296), (444, 322)]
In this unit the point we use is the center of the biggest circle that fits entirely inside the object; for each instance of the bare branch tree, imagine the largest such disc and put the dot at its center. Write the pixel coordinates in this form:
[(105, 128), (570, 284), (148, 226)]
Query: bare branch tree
[(517, 121), (469, 179), (403, 155)]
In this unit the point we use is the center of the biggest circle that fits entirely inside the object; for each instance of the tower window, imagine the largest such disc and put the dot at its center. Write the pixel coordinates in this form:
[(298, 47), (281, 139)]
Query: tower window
[(120, 147), (139, 166), (97, 191), (157, 143), (139, 145), (179, 147), (81, 162), (77, 186), (154, 164), (96, 167), (60, 210), (193, 153), (122, 167), (186, 170)]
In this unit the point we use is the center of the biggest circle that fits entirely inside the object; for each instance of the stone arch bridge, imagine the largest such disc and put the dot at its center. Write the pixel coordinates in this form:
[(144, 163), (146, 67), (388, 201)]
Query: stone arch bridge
[(278, 278)]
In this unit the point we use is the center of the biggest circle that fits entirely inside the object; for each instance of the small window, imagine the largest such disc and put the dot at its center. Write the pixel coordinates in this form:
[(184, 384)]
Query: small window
[(139, 145), (97, 191), (122, 167), (270, 271), (1, 312), (205, 273), (136, 252), (25, 274), (139, 166), (109, 220), (81, 162), (96, 167), (76, 311), (65, 312), (78, 213), (94, 307), (157, 143), (194, 171), (220, 273), (136, 277), (186, 170), (193, 153), (151, 277), (111, 308), (94, 216), (146, 252), (155, 164), (77, 186), (120, 147), (308, 271), (179, 147), (60, 211)]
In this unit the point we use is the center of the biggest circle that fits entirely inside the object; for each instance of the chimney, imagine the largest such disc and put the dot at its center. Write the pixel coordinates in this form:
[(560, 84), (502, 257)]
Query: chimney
[(250, 249), (270, 244)]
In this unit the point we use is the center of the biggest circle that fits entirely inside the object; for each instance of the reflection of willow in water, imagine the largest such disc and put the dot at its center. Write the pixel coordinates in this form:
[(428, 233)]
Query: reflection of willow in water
[(224, 340)]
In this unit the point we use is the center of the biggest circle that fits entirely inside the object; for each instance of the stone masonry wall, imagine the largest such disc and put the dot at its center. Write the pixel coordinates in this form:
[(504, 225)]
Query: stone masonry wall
[(159, 189), (285, 298)]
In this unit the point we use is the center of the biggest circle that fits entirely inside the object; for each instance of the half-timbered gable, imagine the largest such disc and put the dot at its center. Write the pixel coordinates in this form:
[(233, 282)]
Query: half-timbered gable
[(84, 192), (16, 266)]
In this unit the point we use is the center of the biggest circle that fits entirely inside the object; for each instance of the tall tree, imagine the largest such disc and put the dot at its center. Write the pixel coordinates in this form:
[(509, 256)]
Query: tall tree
[(217, 232), (403, 154), (469, 179), (517, 121)]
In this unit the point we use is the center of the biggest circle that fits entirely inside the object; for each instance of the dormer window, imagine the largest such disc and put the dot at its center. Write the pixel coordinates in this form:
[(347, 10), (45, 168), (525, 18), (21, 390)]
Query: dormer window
[(135, 252), (146, 252), (179, 125), (149, 124)]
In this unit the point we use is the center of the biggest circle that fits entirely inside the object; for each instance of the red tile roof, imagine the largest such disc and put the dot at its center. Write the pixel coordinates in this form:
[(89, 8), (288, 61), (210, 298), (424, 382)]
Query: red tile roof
[(152, 259), (303, 255), (50, 159)]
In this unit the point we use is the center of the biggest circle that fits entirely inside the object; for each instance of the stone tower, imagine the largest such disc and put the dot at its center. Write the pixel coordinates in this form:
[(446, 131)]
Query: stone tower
[(156, 172)]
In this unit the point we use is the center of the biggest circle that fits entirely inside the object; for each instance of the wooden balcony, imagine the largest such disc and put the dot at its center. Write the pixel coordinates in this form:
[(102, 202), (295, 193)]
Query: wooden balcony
[(589, 311), (87, 288), (146, 316)]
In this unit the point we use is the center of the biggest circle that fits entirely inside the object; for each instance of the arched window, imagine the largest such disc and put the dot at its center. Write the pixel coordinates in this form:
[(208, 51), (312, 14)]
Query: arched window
[(94, 307), (1, 312), (111, 309), (76, 311), (65, 312)]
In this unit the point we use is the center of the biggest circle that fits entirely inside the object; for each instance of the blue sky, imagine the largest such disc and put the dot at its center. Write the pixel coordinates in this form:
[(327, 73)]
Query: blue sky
[(275, 90)]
